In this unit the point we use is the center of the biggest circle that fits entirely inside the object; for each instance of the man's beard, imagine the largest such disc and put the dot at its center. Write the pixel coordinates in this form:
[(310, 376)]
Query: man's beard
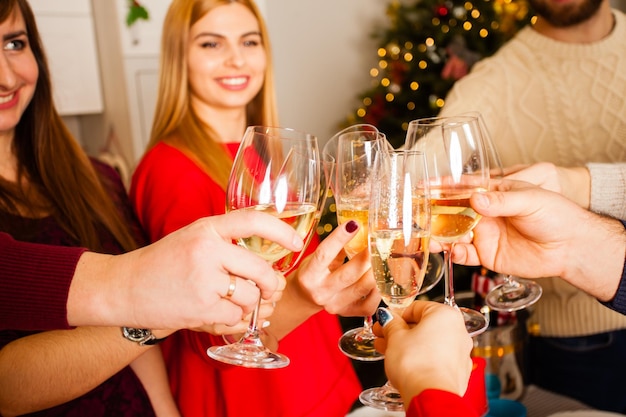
[(567, 15)]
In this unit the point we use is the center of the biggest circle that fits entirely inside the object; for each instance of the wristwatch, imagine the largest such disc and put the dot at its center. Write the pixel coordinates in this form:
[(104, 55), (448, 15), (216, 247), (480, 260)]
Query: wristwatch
[(142, 336)]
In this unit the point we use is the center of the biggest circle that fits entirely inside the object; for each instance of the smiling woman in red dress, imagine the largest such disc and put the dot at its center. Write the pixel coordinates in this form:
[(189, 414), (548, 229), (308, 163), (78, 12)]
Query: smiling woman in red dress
[(217, 79)]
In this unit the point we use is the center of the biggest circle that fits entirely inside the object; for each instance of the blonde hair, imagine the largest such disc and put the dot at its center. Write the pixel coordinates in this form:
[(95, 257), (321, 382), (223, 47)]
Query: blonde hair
[(175, 121)]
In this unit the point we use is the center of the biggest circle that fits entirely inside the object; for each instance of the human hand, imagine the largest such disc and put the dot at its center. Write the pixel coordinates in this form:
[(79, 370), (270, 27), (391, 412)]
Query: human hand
[(325, 281), (427, 347), (531, 232), (182, 280), (518, 222), (234, 332)]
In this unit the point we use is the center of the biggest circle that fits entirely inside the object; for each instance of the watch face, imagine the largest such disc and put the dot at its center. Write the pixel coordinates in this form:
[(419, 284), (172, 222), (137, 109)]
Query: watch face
[(136, 335)]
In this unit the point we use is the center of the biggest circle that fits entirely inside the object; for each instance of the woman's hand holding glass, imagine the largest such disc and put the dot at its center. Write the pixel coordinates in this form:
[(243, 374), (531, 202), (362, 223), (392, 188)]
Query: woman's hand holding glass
[(276, 171), (418, 355), (324, 282)]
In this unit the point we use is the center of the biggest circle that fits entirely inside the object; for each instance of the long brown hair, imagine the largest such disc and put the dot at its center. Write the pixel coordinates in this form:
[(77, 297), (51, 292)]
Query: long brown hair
[(54, 175), (175, 120)]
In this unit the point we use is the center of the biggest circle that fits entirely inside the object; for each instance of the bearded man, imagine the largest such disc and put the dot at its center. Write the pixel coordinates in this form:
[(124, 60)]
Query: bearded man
[(556, 92)]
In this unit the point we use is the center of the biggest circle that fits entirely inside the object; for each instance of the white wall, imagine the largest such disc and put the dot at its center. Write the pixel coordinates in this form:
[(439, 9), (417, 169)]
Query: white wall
[(322, 53)]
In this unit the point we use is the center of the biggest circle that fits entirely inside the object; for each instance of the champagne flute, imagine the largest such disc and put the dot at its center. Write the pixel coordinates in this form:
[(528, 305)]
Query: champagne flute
[(354, 149), (514, 293), (276, 171), (399, 235), (458, 166)]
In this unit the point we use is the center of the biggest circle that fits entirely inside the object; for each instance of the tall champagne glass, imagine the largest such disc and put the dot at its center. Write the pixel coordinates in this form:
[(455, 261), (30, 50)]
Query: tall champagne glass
[(458, 166), (277, 171), (399, 234), (514, 293), (354, 149)]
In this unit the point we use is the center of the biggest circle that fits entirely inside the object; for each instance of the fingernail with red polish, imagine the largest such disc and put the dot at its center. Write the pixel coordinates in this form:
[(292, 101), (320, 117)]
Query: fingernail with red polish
[(351, 226)]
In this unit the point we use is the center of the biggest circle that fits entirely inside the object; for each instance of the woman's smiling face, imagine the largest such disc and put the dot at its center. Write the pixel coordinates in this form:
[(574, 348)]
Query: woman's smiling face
[(226, 57), (18, 72)]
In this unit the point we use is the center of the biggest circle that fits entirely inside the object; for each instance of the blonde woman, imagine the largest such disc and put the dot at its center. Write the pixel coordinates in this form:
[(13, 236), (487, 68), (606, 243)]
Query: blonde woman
[(216, 79)]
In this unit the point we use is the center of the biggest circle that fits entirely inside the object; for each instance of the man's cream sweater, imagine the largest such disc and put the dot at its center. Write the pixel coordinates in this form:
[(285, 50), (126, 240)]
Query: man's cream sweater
[(544, 100)]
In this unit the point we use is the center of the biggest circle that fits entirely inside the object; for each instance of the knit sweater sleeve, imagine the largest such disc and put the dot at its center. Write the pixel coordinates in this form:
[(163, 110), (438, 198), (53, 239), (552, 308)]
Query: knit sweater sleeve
[(34, 284), (608, 189)]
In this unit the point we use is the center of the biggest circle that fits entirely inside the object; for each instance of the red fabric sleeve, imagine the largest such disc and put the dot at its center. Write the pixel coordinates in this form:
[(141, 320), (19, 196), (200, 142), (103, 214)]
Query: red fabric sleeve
[(436, 403), (34, 284)]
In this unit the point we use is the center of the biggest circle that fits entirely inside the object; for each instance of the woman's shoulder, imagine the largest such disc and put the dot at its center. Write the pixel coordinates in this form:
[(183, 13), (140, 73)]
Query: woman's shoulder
[(164, 151), (164, 163)]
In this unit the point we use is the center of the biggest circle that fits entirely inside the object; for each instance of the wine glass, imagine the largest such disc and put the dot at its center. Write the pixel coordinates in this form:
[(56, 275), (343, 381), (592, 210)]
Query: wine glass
[(399, 235), (514, 293), (354, 149), (276, 171), (458, 165)]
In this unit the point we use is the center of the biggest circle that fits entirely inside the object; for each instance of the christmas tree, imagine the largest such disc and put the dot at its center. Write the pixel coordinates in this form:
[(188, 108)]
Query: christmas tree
[(428, 45)]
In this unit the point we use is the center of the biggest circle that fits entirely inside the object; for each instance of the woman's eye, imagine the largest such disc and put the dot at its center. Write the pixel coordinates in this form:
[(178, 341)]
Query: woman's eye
[(210, 45), (15, 45)]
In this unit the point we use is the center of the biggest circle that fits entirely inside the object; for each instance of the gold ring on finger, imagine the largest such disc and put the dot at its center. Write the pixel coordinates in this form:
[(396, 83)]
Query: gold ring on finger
[(231, 287)]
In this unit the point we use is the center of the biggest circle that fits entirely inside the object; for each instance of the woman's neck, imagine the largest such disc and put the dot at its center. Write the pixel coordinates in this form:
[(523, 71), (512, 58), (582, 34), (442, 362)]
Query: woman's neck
[(228, 124)]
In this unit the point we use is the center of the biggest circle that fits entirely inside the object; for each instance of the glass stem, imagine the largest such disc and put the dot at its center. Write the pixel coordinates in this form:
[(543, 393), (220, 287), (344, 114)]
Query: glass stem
[(447, 276), (510, 283), (252, 334), (368, 322)]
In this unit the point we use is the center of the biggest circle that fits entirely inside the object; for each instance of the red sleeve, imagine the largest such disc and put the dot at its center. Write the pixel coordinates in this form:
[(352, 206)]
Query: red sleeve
[(34, 284), (436, 403)]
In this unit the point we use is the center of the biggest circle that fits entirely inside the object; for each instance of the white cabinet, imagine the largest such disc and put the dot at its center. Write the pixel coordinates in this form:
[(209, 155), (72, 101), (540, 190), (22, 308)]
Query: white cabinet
[(67, 32), (140, 51), (142, 77)]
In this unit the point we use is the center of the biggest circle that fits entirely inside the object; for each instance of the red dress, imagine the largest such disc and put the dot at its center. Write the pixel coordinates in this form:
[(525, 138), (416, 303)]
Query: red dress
[(170, 191)]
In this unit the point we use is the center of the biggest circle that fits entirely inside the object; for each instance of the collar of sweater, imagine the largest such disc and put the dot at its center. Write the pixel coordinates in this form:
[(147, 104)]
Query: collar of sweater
[(551, 47)]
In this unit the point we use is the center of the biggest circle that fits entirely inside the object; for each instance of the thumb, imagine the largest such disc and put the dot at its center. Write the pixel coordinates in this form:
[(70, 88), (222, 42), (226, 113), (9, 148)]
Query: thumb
[(391, 322)]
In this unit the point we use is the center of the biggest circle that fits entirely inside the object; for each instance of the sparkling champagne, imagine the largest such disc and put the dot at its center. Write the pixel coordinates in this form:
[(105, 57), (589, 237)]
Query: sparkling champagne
[(299, 216), (399, 263), (451, 215)]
